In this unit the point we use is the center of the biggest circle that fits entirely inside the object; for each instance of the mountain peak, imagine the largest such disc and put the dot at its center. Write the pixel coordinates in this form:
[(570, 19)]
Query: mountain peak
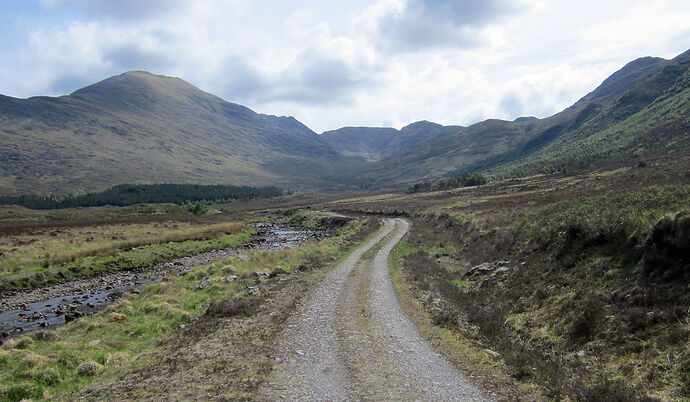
[(142, 90)]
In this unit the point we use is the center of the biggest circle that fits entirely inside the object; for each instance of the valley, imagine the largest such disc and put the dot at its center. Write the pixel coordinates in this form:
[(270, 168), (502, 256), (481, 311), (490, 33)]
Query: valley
[(534, 259)]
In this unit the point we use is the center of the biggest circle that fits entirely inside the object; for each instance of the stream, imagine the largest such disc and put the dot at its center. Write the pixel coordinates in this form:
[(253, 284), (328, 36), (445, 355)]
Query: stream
[(54, 305)]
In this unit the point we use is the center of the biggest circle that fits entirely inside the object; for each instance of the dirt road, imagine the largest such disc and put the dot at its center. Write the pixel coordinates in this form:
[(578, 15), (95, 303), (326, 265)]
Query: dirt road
[(350, 340)]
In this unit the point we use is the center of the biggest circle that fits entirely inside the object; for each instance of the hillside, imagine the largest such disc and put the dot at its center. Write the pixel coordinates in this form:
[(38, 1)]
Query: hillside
[(374, 143), (640, 110), (142, 128)]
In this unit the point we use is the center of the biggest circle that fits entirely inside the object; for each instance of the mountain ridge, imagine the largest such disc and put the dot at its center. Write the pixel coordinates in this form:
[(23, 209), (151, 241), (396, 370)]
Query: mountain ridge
[(138, 127)]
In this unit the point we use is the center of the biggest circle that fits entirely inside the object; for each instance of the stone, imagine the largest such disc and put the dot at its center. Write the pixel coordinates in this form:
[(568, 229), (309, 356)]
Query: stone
[(251, 289), (205, 282), (230, 278), (480, 269)]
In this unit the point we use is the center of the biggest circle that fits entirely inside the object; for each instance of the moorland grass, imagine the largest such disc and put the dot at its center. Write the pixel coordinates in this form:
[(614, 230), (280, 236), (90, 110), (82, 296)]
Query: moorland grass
[(33, 260)]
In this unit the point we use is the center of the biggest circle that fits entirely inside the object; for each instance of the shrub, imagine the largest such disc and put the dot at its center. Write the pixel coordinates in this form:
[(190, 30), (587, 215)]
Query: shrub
[(88, 369), (48, 376)]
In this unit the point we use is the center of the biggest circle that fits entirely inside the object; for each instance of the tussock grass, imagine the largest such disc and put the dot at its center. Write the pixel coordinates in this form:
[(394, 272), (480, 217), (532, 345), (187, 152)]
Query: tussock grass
[(38, 259), (177, 236)]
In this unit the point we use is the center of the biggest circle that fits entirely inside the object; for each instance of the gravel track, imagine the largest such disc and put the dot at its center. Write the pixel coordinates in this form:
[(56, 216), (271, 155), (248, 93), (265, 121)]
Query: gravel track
[(350, 340), (310, 367)]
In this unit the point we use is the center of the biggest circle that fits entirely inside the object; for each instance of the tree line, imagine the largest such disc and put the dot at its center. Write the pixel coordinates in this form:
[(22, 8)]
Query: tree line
[(131, 194), (466, 180)]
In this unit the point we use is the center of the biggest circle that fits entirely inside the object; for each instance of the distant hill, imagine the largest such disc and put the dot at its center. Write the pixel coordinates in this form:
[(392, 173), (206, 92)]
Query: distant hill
[(373, 143), (642, 109)]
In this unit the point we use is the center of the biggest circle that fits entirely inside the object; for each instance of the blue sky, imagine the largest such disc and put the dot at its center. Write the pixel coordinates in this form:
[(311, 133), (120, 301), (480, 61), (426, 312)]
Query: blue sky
[(332, 64)]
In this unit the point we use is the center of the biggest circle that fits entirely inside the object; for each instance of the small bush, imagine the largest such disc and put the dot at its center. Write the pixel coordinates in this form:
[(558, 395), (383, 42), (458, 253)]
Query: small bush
[(197, 208), (88, 369), (20, 392), (48, 376), (23, 342), (586, 318), (667, 249), (230, 307)]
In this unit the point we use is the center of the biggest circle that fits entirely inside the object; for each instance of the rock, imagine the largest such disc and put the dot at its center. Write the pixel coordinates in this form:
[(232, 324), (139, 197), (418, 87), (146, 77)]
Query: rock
[(500, 272), (37, 315), (4, 334), (492, 353), (251, 289), (205, 282), (480, 269), (73, 315), (244, 257), (230, 278), (277, 271), (95, 342), (299, 353)]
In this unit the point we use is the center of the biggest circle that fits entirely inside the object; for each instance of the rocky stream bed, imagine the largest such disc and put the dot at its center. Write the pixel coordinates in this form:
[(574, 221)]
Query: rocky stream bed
[(53, 305)]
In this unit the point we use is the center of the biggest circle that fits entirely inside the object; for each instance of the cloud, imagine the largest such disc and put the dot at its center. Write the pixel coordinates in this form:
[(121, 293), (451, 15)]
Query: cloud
[(315, 79), (359, 62), (119, 9), (131, 56), (423, 24)]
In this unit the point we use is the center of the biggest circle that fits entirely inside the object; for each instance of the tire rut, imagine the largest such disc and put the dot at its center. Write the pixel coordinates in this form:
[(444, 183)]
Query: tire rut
[(351, 340)]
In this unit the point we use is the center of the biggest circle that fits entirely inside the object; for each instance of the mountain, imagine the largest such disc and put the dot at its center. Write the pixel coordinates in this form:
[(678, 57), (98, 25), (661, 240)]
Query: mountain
[(640, 110), (374, 143), (143, 128)]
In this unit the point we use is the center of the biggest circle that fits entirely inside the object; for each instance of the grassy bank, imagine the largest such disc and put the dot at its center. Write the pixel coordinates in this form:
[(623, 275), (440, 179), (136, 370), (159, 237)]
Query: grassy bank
[(40, 258), (137, 348), (577, 285)]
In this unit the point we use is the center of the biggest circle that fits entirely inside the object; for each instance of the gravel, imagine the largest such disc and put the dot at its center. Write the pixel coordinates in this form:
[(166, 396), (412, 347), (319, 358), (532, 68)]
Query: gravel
[(333, 348)]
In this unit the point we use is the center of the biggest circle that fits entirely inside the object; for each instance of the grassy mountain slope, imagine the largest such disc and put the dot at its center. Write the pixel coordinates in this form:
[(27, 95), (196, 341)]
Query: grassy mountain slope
[(641, 108), (142, 128)]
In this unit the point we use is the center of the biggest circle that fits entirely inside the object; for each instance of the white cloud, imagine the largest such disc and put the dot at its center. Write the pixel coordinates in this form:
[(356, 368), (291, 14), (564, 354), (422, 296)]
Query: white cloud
[(354, 63)]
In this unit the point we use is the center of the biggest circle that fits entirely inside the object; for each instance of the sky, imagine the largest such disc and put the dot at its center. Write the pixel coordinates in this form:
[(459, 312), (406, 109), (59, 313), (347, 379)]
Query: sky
[(344, 63)]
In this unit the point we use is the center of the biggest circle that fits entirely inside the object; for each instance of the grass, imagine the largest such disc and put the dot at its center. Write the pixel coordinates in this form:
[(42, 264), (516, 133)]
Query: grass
[(632, 212), (131, 335), (578, 315), (35, 259), (465, 352)]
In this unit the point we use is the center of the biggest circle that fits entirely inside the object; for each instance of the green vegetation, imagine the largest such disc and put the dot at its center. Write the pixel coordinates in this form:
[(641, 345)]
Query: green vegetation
[(653, 130), (466, 180), (141, 332), (54, 256), (316, 220), (131, 194), (577, 284)]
